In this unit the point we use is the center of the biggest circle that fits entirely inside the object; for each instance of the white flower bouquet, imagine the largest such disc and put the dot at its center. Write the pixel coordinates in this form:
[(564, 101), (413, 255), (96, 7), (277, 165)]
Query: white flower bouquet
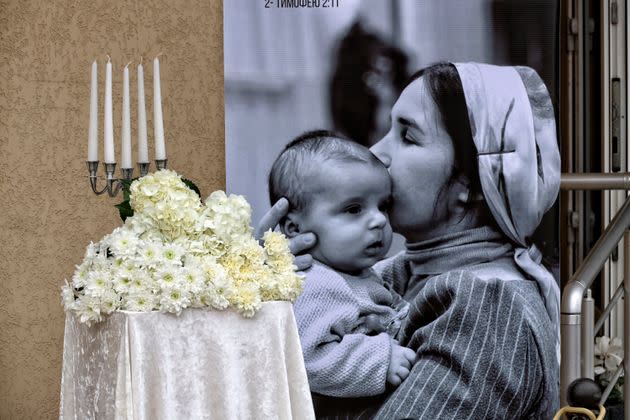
[(608, 357), (176, 252)]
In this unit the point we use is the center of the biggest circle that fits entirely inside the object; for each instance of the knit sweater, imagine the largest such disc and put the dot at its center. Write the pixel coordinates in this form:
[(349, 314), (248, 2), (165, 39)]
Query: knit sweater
[(339, 320), (485, 344)]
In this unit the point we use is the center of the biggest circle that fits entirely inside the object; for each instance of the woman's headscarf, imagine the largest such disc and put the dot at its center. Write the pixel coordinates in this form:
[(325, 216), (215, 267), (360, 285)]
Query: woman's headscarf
[(513, 127)]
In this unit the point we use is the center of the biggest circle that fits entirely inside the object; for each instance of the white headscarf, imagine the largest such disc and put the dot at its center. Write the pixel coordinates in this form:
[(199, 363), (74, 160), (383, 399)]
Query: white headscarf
[(513, 127)]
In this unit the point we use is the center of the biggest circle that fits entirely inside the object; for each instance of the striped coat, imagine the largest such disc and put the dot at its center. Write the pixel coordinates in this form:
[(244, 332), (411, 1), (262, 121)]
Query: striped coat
[(485, 344)]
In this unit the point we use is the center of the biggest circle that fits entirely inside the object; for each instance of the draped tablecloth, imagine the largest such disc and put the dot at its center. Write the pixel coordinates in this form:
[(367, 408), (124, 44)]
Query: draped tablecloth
[(202, 364)]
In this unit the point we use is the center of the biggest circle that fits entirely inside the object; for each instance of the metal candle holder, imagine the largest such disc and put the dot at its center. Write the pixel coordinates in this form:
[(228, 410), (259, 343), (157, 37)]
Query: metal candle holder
[(114, 185)]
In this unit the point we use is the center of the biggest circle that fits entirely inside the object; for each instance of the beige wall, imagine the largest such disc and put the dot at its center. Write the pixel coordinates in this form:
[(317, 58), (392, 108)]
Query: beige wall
[(48, 214)]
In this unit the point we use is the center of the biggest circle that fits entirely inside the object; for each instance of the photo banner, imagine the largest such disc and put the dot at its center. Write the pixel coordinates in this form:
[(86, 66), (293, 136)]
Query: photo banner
[(294, 66)]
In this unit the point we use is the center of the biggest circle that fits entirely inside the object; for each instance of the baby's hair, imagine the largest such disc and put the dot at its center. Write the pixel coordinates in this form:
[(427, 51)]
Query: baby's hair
[(302, 155)]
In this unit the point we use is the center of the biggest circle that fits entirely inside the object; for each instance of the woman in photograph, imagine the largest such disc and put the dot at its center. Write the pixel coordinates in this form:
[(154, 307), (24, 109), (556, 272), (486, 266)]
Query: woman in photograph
[(474, 163)]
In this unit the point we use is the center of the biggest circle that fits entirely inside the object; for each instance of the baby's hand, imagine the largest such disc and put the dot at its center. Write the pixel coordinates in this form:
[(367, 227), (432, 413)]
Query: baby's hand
[(400, 364)]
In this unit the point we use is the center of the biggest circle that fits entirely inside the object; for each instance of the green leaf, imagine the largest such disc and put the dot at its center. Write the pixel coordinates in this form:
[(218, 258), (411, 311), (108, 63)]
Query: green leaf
[(192, 186), (126, 185), (124, 209)]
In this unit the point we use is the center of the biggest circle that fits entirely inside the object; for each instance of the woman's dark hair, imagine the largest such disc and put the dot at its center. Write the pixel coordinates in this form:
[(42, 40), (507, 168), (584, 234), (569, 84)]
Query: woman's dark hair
[(445, 87), (353, 104)]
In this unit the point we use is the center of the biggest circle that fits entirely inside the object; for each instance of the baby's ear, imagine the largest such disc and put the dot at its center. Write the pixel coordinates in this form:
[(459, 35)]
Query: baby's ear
[(289, 225)]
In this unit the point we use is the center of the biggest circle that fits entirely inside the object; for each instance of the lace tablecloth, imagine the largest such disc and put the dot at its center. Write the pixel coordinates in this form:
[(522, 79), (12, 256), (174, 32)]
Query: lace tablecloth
[(199, 365)]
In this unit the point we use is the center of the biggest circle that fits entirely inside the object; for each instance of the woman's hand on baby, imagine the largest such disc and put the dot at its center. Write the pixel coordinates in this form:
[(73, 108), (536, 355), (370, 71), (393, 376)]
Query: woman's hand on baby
[(297, 244), (400, 363)]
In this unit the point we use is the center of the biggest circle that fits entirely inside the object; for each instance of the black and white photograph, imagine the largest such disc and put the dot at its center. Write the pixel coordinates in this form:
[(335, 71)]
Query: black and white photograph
[(314, 209), (409, 150)]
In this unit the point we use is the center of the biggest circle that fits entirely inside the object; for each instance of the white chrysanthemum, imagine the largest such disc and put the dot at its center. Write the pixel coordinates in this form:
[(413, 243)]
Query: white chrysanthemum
[(103, 244), (116, 264), (141, 282), (101, 261), (172, 254), (109, 301), (88, 309), (140, 302), (124, 243), (81, 274), (150, 253), (174, 300), (219, 287), (91, 251), (168, 278), (122, 280), (67, 296), (194, 278), (129, 267), (98, 283), (193, 260)]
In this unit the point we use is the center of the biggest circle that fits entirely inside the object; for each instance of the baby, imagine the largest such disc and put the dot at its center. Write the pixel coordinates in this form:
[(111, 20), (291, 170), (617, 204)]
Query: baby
[(347, 319)]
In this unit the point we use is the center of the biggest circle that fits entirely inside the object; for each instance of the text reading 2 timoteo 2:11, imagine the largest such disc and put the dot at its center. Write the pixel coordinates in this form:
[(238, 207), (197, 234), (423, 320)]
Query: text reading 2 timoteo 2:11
[(300, 4)]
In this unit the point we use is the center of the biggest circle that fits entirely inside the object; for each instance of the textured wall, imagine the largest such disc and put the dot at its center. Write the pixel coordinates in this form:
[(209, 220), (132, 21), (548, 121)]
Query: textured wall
[(48, 212)]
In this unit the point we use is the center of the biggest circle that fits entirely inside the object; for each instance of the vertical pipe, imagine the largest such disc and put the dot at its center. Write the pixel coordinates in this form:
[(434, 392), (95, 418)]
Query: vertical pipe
[(588, 326), (604, 106), (570, 345), (626, 323), (579, 87)]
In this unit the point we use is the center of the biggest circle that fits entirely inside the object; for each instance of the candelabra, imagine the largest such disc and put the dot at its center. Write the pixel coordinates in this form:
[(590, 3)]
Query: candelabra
[(114, 185)]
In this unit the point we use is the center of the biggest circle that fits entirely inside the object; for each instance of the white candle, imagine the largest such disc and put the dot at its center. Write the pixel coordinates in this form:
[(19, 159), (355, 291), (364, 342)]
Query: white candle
[(160, 151), (126, 122), (143, 151), (109, 122), (93, 131)]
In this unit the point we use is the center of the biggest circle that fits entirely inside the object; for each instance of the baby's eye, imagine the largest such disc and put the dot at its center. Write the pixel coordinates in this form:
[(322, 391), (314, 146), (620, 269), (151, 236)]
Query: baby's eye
[(353, 209), (385, 205)]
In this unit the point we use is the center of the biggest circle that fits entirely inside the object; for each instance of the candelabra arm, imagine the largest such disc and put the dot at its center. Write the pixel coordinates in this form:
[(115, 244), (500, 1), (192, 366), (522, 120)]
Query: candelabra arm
[(93, 181), (93, 168), (114, 187)]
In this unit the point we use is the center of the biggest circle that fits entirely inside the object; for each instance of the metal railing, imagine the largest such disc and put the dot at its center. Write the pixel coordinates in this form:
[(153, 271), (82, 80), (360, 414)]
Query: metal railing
[(577, 325)]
